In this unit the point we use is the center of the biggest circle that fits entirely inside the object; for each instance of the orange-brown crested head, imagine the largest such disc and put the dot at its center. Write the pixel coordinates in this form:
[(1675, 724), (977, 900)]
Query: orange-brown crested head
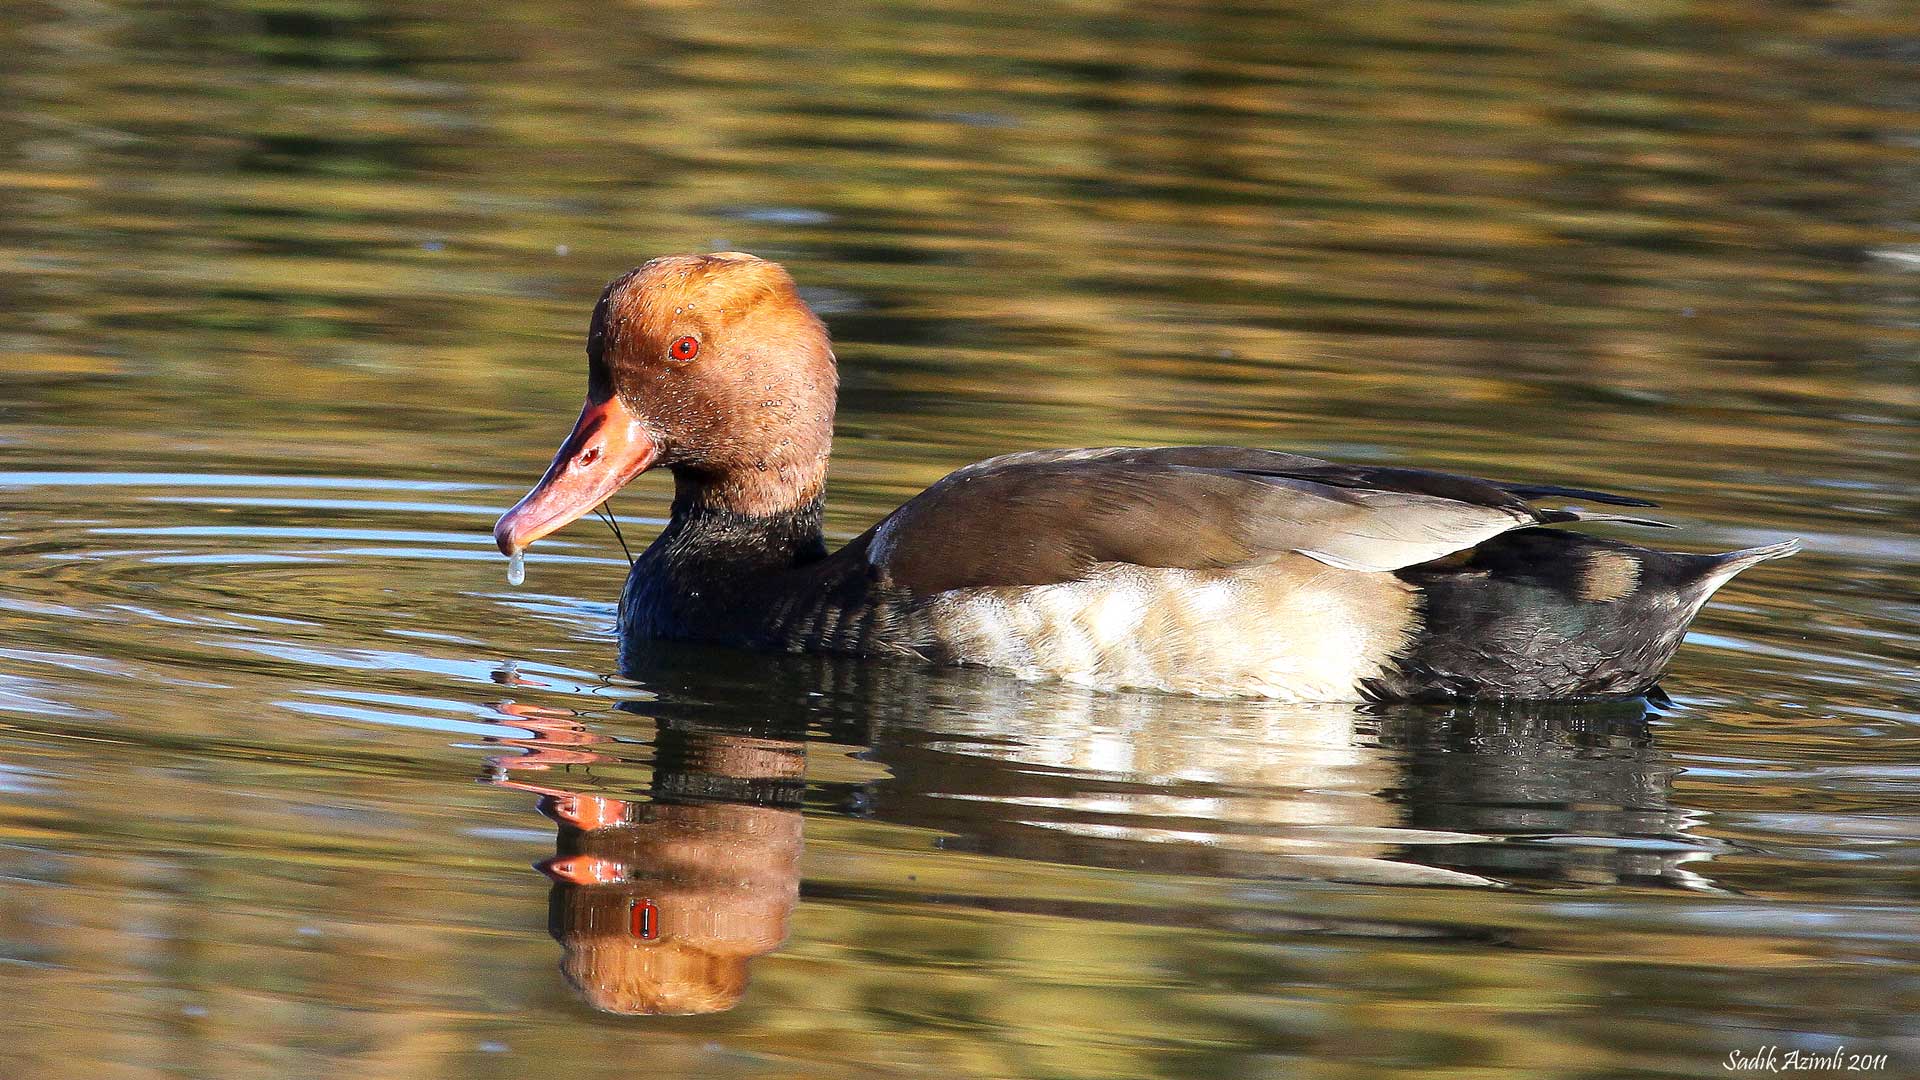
[(710, 365)]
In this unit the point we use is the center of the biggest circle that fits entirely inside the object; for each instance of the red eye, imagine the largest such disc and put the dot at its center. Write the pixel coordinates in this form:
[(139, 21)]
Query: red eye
[(684, 349)]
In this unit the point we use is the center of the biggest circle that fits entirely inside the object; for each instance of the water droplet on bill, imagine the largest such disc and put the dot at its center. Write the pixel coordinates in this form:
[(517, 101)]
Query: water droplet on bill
[(516, 568)]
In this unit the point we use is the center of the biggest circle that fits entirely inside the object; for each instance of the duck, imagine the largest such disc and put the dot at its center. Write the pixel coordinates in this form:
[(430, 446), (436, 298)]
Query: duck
[(1222, 571)]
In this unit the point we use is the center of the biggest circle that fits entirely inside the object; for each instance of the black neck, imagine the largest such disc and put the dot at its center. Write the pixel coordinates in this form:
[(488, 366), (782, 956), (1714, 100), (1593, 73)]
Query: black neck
[(729, 544), (710, 567)]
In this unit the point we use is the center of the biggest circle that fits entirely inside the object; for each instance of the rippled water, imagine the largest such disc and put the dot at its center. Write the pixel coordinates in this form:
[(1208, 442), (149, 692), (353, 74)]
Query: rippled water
[(293, 784)]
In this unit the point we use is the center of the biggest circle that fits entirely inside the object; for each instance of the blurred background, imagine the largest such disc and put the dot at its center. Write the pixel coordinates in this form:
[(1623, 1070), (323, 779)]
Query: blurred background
[(294, 303)]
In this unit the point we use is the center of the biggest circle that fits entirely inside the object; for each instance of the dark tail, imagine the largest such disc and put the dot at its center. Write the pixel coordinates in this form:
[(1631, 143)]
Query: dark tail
[(1542, 613), (1724, 567)]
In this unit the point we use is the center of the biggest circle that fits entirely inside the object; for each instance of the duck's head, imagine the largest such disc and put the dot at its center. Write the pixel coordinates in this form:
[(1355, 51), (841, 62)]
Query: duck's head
[(709, 365)]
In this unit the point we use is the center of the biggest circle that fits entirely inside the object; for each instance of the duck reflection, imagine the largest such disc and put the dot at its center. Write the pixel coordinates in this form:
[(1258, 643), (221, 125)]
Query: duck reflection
[(1543, 794), (659, 904), (1533, 796), (1557, 794)]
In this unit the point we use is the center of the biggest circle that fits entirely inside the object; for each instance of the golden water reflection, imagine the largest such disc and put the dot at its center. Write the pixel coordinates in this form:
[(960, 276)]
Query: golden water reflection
[(708, 826)]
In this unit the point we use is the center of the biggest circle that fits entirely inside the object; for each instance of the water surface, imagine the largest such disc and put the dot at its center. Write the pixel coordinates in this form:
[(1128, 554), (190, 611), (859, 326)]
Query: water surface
[(293, 784)]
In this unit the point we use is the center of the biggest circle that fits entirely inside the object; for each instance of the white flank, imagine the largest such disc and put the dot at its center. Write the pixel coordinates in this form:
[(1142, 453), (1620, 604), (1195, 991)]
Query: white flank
[(1289, 630)]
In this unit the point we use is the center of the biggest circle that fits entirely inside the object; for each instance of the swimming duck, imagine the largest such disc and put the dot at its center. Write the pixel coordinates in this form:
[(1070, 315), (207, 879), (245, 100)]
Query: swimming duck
[(1217, 570)]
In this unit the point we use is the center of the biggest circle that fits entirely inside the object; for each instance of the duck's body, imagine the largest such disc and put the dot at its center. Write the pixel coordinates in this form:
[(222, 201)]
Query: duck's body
[(1116, 599), (1209, 570)]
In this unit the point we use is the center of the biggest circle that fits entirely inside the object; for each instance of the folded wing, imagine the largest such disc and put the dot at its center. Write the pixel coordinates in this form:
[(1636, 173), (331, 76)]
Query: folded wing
[(1048, 516)]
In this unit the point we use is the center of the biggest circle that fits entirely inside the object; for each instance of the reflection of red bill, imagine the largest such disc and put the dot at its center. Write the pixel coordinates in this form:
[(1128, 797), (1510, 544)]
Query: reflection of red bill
[(582, 869), (646, 920)]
